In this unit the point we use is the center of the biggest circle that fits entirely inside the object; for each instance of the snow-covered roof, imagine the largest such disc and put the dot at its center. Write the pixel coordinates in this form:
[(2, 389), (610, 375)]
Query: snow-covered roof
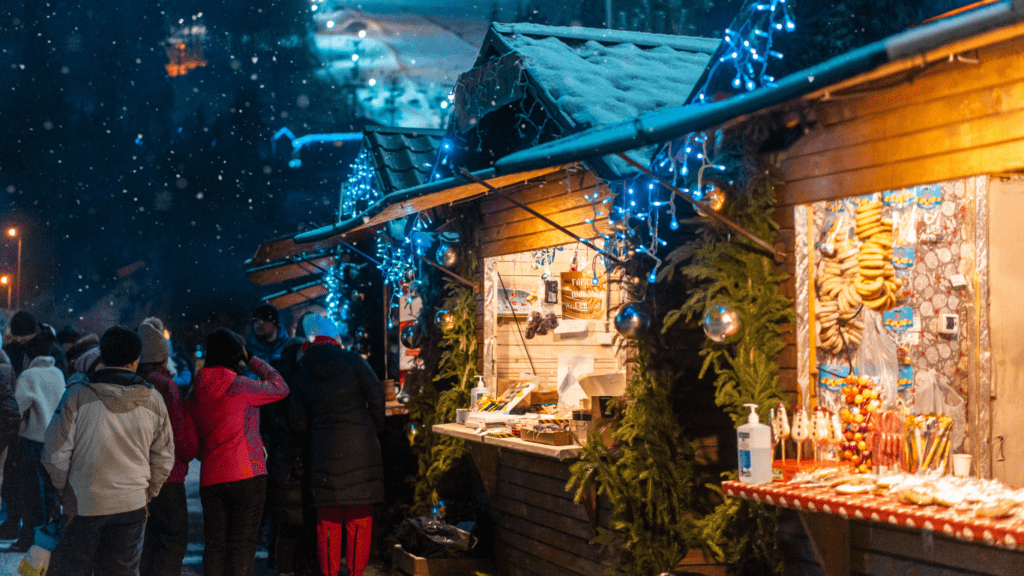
[(402, 157), (594, 77)]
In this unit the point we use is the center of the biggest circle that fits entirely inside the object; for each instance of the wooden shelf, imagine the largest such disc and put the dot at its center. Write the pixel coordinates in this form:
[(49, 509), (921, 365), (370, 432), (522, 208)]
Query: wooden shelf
[(560, 453)]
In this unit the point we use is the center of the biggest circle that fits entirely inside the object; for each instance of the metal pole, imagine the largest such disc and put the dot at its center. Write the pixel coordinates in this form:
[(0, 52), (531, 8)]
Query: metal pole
[(8, 294), (18, 291)]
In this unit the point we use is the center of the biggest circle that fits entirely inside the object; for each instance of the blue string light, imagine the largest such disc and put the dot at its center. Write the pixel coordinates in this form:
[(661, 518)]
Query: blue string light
[(399, 262), (743, 63), (361, 189)]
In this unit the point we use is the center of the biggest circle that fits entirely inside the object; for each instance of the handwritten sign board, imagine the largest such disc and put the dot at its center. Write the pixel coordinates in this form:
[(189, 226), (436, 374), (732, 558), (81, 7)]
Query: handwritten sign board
[(581, 298)]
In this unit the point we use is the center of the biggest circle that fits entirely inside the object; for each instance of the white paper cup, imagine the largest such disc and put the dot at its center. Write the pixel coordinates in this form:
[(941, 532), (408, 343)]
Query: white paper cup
[(961, 464)]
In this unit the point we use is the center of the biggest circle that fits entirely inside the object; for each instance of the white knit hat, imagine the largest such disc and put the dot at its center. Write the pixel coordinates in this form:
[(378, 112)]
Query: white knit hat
[(316, 325)]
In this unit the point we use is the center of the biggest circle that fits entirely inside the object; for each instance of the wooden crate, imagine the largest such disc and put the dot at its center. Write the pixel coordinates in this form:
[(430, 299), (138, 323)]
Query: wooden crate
[(405, 564)]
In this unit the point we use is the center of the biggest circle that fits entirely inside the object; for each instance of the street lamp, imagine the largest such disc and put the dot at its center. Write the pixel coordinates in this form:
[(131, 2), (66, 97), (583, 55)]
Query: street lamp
[(6, 280), (13, 233)]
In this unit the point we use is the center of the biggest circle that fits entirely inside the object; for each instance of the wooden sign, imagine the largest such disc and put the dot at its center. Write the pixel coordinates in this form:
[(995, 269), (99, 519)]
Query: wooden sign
[(581, 298)]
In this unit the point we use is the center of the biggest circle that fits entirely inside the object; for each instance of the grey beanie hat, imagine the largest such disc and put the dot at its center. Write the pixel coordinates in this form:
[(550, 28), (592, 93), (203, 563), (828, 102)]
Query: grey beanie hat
[(154, 346)]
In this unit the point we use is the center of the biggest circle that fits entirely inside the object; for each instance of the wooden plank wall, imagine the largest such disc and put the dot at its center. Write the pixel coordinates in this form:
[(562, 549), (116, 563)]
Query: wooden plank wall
[(884, 549), (950, 120), (507, 229), (785, 242), (539, 530), (510, 355)]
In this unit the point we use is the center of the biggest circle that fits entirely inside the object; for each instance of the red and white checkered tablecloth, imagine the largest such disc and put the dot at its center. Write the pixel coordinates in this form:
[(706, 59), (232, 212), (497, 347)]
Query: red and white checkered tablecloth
[(1003, 533)]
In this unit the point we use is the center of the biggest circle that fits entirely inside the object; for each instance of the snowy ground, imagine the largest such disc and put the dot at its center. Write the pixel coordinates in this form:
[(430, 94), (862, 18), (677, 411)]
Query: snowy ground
[(193, 565)]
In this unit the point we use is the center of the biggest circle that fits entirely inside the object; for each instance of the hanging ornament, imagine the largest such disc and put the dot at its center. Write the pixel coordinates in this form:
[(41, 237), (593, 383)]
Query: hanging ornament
[(412, 336), (410, 432), (445, 320), (720, 322), (447, 256), (403, 397), (715, 198), (633, 320), (409, 275)]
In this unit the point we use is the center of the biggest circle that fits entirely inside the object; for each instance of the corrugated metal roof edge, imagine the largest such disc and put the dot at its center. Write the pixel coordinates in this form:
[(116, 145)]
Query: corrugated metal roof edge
[(660, 127)]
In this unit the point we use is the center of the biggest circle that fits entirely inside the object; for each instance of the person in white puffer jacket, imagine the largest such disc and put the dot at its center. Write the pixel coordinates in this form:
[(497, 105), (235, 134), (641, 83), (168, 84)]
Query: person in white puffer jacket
[(38, 391)]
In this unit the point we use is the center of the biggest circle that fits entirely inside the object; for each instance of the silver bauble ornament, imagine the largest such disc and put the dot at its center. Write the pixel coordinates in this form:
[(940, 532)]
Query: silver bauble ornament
[(633, 320), (412, 336), (403, 397), (447, 256), (720, 322), (445, 320)]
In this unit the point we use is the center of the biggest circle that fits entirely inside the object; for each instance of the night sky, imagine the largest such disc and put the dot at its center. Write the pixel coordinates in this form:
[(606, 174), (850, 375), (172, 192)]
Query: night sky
[(141, 194)]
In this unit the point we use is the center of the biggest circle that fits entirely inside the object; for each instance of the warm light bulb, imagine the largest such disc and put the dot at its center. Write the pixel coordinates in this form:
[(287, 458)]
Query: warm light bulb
[(12, 232)]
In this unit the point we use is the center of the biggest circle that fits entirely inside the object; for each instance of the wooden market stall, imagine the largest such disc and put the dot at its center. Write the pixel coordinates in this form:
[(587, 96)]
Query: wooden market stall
[(928, 125), (545, 301)]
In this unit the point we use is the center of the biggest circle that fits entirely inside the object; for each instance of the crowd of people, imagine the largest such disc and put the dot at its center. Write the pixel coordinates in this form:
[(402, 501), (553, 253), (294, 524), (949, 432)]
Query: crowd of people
[(97, 434)]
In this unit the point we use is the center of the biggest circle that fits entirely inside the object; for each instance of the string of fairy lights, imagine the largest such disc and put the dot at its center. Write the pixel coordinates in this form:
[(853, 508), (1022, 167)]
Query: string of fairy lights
[(361, 190), (744, 60), (633, 209)]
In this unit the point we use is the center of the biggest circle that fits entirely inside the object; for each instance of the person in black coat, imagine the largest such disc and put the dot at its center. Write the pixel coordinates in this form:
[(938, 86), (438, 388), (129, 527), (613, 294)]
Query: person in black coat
[(340, 402)]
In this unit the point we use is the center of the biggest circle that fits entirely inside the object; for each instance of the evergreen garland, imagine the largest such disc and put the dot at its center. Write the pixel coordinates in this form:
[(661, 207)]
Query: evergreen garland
[(649, 477), (458, 363), (445, 388), (659, 506)]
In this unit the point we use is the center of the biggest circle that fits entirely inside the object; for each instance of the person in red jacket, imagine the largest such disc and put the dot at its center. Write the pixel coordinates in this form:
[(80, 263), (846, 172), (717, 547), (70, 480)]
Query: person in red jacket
[(166, 537), (224, 405)]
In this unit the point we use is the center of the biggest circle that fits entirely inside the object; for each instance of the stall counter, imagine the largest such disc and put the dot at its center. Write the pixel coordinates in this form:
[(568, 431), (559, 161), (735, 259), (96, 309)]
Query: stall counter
[(863, 533)]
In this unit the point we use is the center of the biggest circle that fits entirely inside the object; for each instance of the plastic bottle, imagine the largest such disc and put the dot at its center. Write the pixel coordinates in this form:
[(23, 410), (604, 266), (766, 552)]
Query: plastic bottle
[(479, 390), (755, 449)]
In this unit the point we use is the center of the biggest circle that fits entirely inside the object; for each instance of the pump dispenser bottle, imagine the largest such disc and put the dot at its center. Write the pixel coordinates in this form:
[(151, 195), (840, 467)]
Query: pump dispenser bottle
[(479, 390), (755, 449)]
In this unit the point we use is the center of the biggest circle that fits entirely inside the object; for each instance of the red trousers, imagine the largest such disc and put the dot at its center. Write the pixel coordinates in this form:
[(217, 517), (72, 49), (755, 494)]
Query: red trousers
[(334, 521)]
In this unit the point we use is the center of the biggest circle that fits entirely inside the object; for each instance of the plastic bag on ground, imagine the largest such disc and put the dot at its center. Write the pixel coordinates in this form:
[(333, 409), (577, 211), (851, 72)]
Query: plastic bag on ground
[(433, 538)]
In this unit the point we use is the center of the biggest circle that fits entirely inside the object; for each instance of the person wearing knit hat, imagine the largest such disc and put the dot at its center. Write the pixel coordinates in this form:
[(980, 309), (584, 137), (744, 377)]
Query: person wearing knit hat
[(25, 328), (108, 450), (232, 478), (267, 338), (38, 391), (166, 536), (155, 348), (338, 390)]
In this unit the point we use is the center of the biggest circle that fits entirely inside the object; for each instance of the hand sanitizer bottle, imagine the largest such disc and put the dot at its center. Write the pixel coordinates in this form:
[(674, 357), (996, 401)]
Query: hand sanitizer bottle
[(479, 390), (755, 449)]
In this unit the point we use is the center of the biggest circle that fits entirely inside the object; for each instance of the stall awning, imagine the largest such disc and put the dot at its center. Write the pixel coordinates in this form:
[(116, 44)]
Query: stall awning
[(407, 202), (290, 268), (297, 295), (666, 125)]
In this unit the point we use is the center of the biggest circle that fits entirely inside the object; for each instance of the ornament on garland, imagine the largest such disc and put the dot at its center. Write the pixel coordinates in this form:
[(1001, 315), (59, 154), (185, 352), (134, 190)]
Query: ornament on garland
[(412, 336), (715, 197), (447, 256), (720, 322), (444, 320), (633, 320)]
